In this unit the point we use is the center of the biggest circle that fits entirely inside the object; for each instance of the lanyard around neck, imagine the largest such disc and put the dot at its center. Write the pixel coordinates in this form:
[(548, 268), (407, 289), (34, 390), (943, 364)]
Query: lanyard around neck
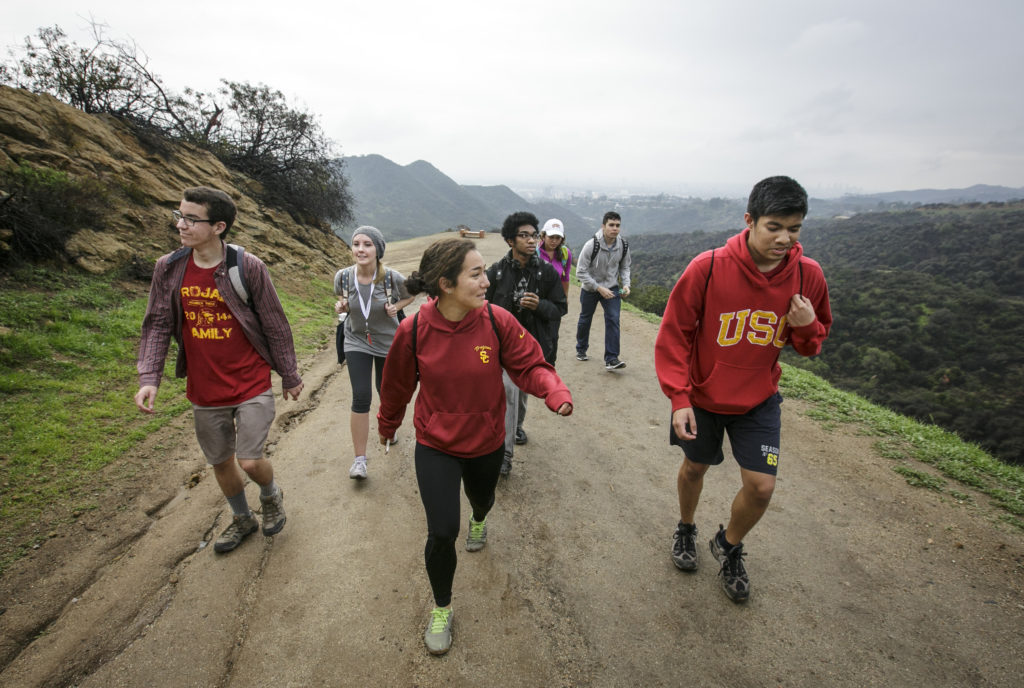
[(364, 306)]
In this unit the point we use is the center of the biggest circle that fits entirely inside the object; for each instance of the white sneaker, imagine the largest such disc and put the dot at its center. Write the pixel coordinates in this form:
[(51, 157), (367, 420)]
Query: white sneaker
[(358, 470)]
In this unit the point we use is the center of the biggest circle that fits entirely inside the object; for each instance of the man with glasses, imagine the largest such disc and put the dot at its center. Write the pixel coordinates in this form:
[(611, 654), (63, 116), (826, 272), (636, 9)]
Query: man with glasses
[(531, 290), (230, 346), (602, 265)]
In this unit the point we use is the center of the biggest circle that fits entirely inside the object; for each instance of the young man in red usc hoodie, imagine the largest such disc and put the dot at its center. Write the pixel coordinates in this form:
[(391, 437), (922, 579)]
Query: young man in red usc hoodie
[(716, 356)]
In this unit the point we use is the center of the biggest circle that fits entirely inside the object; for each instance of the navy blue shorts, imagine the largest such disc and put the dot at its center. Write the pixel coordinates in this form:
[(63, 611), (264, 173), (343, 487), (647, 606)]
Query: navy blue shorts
[(754, 436)]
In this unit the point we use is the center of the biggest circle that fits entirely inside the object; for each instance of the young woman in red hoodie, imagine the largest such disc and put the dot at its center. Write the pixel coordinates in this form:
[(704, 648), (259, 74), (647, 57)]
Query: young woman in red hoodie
[(728, 317), (455, 348)]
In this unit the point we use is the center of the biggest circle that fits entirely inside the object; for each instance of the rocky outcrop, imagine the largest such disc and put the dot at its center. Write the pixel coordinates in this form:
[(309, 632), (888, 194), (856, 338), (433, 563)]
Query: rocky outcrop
[(145, 178)]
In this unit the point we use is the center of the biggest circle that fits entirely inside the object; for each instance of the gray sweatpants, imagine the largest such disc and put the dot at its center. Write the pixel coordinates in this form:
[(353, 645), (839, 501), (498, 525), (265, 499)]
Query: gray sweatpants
[(515, 411)]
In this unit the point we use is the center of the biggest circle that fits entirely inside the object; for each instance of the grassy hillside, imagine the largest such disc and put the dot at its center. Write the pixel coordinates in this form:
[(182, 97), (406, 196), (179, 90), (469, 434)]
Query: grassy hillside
[(67, 376), (69, 322)]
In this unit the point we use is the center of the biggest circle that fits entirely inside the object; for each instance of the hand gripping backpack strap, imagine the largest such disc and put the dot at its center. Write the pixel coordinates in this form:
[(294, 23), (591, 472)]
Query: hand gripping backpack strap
[(389, 290)]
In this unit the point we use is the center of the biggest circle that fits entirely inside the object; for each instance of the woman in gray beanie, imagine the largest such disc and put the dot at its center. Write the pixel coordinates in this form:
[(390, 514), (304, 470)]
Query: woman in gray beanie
[(371, 296)]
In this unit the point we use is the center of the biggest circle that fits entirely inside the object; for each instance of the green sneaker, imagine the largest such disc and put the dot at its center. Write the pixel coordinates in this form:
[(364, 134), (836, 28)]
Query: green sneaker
[(477, 537), (240, 528), (439, 631)]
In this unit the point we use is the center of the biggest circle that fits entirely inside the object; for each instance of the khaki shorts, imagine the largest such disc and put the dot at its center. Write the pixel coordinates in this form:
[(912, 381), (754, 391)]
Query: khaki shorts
[(226, 431)]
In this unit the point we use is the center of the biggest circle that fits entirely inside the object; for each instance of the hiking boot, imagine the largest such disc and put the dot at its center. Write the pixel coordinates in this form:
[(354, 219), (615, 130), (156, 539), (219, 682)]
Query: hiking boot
[(582, 356), (506, 465), (614, 364), (240, 528), (733, 573), (438, 636), (477, 537), (684, 547), (520, 436), (358, 470), (273, 512)]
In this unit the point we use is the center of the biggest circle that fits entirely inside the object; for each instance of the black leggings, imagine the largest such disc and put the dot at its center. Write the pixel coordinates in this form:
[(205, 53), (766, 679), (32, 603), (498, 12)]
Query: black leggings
[(360, 365), (439, 475)]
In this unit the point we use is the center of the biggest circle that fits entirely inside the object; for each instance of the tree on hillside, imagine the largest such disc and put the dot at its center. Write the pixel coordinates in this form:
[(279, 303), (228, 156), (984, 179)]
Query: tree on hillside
[(285, 149), (250, 128), (109, 77)]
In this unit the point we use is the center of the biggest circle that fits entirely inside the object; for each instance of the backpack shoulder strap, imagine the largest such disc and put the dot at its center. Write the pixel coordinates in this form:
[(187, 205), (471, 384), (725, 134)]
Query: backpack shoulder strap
[(415, 327), (711, 267), (625, 249), (236, 272), (388, 284), (494, 325), (594, 251), (346, 286)]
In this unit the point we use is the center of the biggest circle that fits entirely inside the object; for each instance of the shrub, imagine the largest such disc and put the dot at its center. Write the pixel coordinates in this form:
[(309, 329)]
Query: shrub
[(44, 207)]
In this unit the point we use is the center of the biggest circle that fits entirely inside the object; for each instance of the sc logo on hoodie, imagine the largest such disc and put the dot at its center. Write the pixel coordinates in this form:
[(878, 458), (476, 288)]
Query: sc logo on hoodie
[(484, 352)]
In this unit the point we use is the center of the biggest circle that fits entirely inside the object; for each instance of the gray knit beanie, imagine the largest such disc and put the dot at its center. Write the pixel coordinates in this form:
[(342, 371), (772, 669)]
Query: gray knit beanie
[(374, 235)]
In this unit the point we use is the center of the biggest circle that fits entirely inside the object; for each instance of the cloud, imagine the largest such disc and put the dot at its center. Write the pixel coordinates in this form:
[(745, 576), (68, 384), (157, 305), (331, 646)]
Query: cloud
[(828, 37)]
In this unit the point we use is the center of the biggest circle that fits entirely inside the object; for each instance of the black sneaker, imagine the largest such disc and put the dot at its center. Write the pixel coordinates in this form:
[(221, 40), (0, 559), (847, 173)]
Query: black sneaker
[(684, 547), (734, 573), (614, 364), (520, 436), (582, 356), (506, 465)]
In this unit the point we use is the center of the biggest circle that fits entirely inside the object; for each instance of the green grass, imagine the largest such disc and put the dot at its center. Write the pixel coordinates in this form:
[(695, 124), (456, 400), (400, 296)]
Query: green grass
[(920, 478), (903, 439), (67, 378)]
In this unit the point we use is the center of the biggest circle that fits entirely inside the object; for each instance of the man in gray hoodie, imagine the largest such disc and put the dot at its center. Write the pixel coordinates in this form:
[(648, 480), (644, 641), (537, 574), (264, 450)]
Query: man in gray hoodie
[(603, 264)]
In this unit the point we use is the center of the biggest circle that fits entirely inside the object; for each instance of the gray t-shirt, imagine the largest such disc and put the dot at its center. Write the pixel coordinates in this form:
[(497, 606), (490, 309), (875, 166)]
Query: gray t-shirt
[(380, 326)]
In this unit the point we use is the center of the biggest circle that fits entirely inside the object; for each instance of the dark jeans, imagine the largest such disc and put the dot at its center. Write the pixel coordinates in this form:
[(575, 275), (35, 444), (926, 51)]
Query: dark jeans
[(360, 366), (439, 475), (612, 306)]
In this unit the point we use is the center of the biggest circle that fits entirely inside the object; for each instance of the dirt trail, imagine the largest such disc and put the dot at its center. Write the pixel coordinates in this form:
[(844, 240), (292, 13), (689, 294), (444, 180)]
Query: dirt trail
[(858, 579)]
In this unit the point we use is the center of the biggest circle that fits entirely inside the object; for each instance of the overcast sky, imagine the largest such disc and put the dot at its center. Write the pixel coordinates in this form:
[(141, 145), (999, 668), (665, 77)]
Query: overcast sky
[(674, 95)]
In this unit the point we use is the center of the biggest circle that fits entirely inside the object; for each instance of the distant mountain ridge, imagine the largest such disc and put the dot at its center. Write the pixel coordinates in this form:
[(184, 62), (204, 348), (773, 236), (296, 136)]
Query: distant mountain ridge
[(668, 214), (979, 193), (417, 199)]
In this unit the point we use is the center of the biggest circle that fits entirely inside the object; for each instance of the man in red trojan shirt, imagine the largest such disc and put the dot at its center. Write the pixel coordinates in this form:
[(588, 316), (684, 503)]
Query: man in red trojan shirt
[(716, 356), (226, 350)]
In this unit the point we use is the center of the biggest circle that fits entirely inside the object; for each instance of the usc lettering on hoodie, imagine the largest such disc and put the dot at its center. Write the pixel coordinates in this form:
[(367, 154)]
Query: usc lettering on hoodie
[(718, 346)]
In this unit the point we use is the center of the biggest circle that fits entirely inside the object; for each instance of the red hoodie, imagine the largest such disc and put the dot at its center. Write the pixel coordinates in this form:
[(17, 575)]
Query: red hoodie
[(718, 345), (460, 408)]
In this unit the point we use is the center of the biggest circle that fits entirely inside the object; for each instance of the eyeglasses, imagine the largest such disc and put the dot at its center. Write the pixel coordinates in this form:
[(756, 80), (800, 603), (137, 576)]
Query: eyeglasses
[(189, 221), (524, 235)]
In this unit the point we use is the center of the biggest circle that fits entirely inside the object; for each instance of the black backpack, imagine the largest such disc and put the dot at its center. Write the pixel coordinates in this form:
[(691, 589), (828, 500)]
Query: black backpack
[(594, 251)]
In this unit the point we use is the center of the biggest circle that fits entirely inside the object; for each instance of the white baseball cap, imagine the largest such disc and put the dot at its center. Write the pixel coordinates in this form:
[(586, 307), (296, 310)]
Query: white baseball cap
[(553, 227)]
